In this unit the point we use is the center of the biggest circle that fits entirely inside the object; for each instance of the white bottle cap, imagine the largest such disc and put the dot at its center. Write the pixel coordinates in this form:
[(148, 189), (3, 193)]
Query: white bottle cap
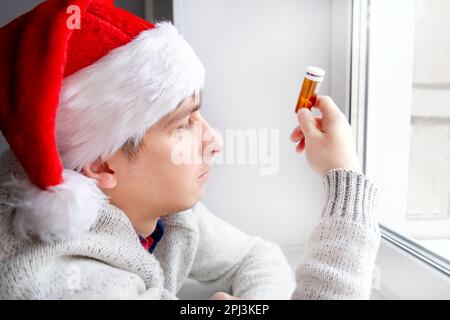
[(315, 74)]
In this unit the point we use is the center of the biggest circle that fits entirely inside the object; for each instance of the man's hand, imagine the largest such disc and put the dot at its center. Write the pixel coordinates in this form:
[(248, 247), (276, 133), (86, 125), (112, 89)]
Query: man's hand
[(223, 296), (327, 139)]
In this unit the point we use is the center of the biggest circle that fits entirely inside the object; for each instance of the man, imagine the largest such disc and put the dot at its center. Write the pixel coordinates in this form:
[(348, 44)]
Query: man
[(98, 205)]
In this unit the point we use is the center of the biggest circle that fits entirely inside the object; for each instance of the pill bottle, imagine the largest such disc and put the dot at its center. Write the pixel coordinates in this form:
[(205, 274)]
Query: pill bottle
[(310, 89)]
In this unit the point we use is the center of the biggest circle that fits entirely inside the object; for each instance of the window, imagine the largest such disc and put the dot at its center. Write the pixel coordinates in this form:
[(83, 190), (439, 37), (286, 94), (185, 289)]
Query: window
[(400, 112), (428, 206)]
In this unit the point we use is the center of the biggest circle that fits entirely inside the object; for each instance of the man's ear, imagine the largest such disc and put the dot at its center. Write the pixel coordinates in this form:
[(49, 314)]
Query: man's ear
[(101, 171)]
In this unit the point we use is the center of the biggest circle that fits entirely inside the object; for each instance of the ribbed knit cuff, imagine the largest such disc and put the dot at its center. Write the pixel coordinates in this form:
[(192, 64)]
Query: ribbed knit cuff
[(350, 195)]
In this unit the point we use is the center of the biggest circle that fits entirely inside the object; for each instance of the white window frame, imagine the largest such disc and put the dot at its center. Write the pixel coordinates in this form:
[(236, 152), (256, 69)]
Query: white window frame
[(405, 269)]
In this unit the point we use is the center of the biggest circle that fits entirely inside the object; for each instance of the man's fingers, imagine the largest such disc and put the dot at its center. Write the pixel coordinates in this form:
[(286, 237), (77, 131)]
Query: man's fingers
[(307, 122), (301, 146), (327, 107), (318, 122), (223, 296), (297, 135)]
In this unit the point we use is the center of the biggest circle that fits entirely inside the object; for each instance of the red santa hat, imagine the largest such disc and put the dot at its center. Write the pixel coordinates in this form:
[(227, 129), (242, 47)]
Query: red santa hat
[(70, 95)]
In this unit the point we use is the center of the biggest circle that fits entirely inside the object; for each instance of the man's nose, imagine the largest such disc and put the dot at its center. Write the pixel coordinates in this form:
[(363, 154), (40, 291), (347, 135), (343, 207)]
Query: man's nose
[(213, 140)]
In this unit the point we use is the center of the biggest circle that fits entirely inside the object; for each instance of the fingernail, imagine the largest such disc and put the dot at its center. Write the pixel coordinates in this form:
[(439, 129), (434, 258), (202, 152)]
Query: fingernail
[(303, 112)]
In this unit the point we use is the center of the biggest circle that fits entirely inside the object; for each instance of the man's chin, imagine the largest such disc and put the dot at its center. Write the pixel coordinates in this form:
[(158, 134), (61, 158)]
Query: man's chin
[(186, 205), (190, 204)]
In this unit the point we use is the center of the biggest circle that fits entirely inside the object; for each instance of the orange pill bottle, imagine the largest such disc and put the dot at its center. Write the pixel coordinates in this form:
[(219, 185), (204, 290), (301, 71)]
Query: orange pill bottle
[(310, 89)]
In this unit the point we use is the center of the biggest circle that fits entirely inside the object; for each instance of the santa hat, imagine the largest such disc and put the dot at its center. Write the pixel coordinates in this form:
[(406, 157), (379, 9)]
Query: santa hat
[(69, 96)]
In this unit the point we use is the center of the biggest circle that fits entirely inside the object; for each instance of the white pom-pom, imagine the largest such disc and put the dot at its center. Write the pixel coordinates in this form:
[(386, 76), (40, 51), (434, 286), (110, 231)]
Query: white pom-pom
[(61, 212)]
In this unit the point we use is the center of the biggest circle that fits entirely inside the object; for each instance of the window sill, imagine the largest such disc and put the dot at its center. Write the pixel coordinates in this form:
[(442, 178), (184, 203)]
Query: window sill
[(402, 276), (192, 289)]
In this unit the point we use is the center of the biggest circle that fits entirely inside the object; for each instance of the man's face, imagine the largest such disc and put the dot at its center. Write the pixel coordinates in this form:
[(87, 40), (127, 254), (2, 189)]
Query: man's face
[(166, 175)]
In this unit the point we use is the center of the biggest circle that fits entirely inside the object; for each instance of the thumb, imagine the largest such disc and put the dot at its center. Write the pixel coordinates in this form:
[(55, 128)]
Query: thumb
[(307, 122)]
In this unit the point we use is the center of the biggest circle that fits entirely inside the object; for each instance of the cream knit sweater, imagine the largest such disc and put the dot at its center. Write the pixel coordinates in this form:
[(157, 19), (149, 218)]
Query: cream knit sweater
[(109, 262)]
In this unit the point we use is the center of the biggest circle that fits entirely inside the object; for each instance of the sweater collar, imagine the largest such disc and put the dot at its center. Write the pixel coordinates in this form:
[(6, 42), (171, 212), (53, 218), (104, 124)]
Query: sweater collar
[(152, 240), (149, 243)]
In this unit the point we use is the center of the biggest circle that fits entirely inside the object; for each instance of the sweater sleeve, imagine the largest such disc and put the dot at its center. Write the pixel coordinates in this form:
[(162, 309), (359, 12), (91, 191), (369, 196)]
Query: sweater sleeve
[(341, 250), (232, 261)]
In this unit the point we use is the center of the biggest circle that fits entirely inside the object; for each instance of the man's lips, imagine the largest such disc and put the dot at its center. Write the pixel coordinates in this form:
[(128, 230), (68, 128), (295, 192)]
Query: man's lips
[(204, 174)]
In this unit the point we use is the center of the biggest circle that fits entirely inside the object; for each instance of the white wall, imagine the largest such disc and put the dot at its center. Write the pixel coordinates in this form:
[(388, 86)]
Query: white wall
[(255, 53)]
